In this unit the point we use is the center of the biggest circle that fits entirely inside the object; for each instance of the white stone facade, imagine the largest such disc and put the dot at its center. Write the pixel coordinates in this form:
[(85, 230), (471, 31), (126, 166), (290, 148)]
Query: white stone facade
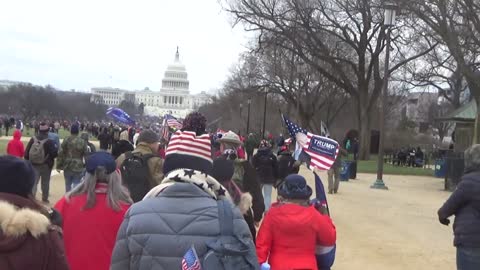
[(174, 97)]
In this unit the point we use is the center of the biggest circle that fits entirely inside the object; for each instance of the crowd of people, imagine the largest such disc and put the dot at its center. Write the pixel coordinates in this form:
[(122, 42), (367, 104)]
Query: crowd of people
[(141, 202)]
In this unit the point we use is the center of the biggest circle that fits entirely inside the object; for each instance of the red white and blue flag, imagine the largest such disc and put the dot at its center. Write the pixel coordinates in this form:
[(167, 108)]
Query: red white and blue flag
[(320, 151), (172, 122), (190, 260)]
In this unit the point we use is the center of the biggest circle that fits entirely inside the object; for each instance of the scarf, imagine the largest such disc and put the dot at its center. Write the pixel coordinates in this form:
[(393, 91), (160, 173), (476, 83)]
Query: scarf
[(205, 182)]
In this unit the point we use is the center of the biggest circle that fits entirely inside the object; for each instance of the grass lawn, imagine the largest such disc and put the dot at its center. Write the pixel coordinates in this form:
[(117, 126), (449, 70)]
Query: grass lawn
[(3, 147), (62, 133), (370, 166)]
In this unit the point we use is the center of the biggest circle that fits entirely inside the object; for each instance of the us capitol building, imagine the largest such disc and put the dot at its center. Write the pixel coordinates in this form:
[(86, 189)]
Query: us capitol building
[(174, 97)]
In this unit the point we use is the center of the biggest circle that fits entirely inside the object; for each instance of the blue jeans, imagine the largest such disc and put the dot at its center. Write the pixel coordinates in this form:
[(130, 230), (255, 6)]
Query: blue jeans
[(468, 258), (72, 179), (267, 195)]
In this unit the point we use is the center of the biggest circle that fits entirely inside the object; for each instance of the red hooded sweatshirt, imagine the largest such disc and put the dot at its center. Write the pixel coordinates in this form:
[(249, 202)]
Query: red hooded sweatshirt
[(289, 235), (15, 146)]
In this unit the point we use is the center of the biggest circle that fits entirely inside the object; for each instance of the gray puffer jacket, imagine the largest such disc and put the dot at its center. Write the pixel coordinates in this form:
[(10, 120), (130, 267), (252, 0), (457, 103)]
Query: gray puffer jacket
[(158, 231)]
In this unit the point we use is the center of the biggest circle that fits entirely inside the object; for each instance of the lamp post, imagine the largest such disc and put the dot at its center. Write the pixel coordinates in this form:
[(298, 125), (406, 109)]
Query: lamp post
[(389, 21), (264, 114), (240, 125), (248, 115), (300, 71)]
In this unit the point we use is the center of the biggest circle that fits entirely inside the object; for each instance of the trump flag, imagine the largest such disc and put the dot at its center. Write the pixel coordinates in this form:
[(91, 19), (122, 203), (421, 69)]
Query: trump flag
[(320, 151)]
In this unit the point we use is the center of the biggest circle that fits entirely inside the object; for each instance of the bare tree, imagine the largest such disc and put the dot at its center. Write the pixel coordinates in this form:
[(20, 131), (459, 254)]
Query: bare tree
[(456, 24), (341, 40)]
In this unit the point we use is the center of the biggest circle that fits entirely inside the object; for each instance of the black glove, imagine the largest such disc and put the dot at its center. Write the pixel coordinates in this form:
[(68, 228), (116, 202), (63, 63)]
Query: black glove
[(55, 217), (444, 221)]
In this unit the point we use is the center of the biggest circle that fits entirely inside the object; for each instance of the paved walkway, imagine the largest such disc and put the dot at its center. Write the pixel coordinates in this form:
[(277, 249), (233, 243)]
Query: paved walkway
[(379, 230)]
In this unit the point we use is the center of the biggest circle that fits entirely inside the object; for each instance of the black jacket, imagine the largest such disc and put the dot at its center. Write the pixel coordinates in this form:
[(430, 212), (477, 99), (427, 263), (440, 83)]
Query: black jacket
[(286, 165), (121, 147), (464, 203), (51, 151), (265, 163), (104, 139)]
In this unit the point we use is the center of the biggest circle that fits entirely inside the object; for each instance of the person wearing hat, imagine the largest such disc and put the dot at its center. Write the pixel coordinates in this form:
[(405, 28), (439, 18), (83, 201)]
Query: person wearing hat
[(243, 176), (179, 213), (41, 152), (265, 163), (293, 226), (145, 153), (73, 151), (92, 213), (28, 237)]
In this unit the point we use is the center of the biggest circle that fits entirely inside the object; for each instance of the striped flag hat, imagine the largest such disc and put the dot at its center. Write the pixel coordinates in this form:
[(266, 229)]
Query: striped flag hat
[(186, 150)]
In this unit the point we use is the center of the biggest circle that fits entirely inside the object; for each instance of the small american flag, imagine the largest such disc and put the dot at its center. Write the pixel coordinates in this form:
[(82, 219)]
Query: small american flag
[(322, 151), (173, 122), (165, 131), (190, 260)]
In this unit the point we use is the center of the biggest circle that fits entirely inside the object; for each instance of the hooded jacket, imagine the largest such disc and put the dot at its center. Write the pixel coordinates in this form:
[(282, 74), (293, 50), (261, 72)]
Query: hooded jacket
[(181, 212), (289, 235), (464, 203), (26, 231), (90, 233), (15, 146), (265, 162)]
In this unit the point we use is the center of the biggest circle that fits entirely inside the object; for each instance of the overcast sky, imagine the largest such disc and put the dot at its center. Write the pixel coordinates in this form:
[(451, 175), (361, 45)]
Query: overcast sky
[(125, 44)]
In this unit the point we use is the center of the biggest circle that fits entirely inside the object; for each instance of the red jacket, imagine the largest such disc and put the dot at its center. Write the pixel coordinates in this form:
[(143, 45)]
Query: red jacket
[(289, 234), (15, 147), (89, 235)]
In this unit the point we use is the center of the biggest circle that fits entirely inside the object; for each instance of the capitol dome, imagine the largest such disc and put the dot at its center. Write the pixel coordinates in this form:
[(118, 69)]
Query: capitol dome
[(176, 77)]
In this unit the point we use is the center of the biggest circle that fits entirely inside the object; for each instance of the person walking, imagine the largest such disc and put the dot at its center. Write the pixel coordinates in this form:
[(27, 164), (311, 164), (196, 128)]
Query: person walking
[(464, 203), (265, 163), (334, 172), (15, 146), (28, 237), (71, 158), (90, 147), (142, 168), (182, 214), (95, 208), (41, 152), (293, 228), (286, 164), (54, 137), (240, 179), (104, 139), (122, 145)]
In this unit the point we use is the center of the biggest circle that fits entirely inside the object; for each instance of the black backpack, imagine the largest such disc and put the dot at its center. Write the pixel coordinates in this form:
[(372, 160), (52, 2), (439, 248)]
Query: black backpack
[(136, 175)]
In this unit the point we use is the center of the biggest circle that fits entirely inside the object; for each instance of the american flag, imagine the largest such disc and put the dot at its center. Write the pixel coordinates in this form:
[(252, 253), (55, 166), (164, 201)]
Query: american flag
[(322, 151), (173, 122), (165, 131), (190, 260), (187, 142)]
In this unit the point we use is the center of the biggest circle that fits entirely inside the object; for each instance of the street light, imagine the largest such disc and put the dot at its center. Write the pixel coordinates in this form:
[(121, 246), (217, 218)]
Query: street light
[(264, 114), (248, 115), (240, 125), (390, 13), (300, 71)]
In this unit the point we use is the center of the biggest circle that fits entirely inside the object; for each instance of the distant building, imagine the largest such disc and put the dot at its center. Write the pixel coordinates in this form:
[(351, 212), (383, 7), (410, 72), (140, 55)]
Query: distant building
[(174, 97), (417, 108)]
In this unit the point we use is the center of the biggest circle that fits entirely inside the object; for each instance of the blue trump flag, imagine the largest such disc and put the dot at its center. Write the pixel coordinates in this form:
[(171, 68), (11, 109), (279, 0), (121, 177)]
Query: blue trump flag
[(325, 254), (119, 115)]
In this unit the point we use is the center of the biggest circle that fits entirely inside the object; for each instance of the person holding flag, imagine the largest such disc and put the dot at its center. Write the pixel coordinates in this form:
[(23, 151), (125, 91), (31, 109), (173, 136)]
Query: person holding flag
[(293, 226)]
